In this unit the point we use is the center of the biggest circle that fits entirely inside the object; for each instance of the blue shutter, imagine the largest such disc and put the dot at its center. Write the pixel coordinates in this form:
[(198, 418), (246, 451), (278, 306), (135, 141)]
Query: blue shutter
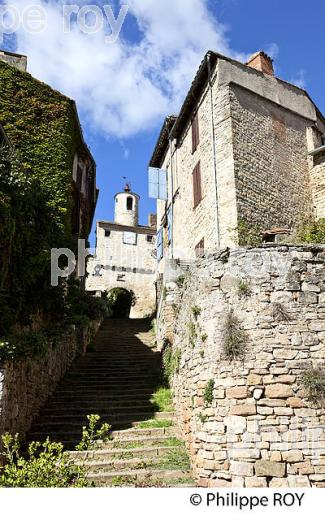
[(153, 183), (160, 248), (157, 183), (169, 223), (162, 194)]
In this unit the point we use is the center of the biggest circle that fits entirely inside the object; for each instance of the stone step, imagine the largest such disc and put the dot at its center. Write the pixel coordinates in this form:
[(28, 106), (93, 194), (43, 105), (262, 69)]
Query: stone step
[(134, 477), (112, 401), (71, 422), (114, 455), (73, 410), (141, 441), (135, 433)]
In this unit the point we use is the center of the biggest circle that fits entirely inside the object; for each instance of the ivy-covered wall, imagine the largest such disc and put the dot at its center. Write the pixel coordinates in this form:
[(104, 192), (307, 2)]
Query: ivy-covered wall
[(35, 192)]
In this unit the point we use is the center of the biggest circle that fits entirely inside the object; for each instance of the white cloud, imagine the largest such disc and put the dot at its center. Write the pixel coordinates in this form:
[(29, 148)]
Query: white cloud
[(126, 87), (300, 79)]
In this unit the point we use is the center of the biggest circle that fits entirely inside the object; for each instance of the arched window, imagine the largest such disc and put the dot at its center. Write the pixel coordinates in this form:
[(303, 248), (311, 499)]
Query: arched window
[(129, 203)]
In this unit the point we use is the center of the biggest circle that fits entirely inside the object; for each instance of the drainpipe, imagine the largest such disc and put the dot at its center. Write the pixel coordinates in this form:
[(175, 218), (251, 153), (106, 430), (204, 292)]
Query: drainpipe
[(214, 149)]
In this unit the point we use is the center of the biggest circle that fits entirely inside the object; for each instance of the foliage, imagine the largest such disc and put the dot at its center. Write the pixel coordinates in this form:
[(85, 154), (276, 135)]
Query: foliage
[(311, 232), (162, 399), (208, 392), (174, 459), (202, 418), (80, 304), (92, 433), (181, 280), (27, 344), (244, 289), (314, 383), (249, 235), (171, 363), (154, 423), (35, 195), (47, 465), (196, 311), (235, 339), (204, 338)]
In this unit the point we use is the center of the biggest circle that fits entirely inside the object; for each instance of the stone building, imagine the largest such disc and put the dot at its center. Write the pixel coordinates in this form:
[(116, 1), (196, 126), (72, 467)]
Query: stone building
[(125, 257), (236, 157)]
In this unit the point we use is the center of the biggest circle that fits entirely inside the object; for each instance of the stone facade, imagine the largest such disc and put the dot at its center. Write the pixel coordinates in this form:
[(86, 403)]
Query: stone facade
[(26, 384), (259, 429), (125, 257), (255, 133)]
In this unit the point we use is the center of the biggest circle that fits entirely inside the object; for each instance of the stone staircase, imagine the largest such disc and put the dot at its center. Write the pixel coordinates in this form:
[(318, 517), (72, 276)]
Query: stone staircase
[(116, 379)]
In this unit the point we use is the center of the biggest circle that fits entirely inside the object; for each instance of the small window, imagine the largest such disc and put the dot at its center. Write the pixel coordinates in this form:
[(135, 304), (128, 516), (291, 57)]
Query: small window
[(195, 132), (130, 238), (107, 233), (134, 270), (123, 269), (197, 189), (149, 238), (199, 249), (129, 203)]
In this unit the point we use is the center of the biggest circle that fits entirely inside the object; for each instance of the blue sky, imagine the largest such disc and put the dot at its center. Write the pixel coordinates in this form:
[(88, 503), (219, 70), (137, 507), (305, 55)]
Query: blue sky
[(124, 90)]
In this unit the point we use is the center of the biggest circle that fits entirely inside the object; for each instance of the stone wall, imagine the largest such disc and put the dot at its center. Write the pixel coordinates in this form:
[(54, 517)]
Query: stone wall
[(271, 162), (260, 430), (26, 384)]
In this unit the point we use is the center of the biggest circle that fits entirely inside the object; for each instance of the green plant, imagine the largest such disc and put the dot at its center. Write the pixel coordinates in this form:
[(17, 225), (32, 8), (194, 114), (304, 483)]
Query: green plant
[(280, 313), (171, 362), (311, 231), (26, 344), (154, 423), (92, 433), (249, 235), (202, 353), (235, 339), (46, 465), (244, 289), (162, 399), (208, 392), (202, 418), (204, 338), (314, 384), (173, 459), (180, 280), (196, 311)]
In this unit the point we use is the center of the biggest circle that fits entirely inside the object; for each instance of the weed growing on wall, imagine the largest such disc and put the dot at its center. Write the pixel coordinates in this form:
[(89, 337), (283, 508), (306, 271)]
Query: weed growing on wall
[(249, 235), (314, 384), (208, 392), (171, 362), (244, 289), (235, 339)]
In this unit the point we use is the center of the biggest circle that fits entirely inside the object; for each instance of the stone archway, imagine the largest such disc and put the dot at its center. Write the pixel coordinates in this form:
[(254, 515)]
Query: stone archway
[(121, 300)]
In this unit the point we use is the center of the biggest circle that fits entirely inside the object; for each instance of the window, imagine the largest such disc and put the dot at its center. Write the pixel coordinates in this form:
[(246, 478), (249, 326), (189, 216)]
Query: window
[(150, 239), (199, 249), (195, 132), (129, 238), (157, 183), (123, 269), (197, 190), (134, 270), (107, 233), (129, 204)]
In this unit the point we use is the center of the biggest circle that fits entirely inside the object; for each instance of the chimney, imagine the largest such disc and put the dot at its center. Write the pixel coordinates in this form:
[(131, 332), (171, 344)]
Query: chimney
[(261, 61), (15, 60), (152, 220)]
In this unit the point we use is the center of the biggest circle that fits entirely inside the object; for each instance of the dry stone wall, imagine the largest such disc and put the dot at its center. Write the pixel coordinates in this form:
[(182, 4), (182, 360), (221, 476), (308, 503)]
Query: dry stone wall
[(26, 384), (249, 422)]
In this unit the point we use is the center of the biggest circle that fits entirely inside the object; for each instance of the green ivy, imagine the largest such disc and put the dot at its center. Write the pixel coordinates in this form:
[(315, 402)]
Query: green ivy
[(35, 194)]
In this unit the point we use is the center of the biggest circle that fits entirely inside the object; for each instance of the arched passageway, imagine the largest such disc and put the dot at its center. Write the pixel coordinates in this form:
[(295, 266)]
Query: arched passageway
[(121, 301)]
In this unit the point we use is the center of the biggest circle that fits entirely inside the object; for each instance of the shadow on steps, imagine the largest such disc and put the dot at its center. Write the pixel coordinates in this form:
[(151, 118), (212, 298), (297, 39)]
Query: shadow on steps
[(116, 381)]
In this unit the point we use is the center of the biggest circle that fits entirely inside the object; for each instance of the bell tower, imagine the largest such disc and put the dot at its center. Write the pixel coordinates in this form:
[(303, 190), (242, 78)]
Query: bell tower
[(127, 208)]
